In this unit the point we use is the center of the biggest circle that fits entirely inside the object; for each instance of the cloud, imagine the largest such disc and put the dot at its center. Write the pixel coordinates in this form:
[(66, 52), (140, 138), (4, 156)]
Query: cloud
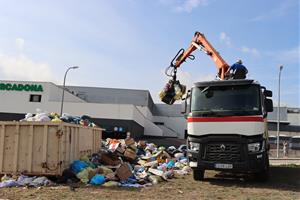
[(20, 43), (225, 39), (280, 11), (185, 78), (252, 51), (189, 79), (207, 77), (289, 56), (184, 5), (21, 67)]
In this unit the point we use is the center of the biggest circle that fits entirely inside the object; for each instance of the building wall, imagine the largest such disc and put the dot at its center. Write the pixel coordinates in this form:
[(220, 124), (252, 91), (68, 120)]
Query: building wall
[(272, 116), (170, 119), (174, 126), (150, 127)]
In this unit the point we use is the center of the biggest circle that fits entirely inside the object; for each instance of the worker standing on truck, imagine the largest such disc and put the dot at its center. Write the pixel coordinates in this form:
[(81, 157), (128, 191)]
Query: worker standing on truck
[(237, 70)]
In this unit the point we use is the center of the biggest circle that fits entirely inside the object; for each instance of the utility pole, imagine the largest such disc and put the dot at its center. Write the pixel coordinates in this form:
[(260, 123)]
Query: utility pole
[(278, 110), (63, 92)]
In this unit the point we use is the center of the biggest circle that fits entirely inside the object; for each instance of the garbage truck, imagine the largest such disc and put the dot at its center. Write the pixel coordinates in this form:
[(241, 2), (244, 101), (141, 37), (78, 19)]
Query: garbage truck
[(226, 118)]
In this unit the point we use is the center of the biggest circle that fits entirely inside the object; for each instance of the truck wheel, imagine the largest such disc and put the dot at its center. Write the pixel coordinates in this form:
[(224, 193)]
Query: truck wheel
[(198, 174), (263, 175)]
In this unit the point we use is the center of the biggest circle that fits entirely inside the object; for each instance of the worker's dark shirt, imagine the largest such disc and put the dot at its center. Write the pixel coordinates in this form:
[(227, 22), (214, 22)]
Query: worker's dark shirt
[(239, 67), (239, 71)]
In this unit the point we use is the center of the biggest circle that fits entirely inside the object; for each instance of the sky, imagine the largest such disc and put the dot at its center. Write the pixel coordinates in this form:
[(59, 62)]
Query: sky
[(129, 43)]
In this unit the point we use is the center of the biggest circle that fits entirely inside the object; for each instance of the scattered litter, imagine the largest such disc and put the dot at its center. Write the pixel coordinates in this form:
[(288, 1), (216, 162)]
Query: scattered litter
[(25, 181)]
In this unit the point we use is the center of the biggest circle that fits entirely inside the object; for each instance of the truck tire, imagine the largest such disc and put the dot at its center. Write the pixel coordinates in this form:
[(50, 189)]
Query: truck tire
[(198, 174), (263, 175)]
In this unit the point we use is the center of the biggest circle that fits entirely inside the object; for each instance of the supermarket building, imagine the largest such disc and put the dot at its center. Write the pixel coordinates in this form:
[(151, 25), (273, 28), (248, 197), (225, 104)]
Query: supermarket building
[(118, 110)]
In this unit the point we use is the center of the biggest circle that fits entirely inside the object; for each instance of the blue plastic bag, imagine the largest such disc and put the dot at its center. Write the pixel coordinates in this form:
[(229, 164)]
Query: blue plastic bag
[(170, 164), (97, 180), (78, 165)]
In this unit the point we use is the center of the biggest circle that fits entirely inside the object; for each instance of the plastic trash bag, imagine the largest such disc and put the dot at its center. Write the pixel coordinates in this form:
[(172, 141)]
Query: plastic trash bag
[(25, 180), (40, 181), (9, 183), (170, 164), (97, 180), (84, 175), (111, 184), (78, 165)]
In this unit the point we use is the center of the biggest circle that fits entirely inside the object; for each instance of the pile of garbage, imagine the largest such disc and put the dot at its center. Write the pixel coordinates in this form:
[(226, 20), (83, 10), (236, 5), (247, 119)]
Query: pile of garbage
[(127, 163), (122, 163), (83, 120)]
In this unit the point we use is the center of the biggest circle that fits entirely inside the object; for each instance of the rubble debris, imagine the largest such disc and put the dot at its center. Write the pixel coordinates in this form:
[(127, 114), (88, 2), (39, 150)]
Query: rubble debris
[(120, 163)]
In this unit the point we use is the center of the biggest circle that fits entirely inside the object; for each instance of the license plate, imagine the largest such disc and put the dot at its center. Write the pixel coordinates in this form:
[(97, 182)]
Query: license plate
[(223, 166)]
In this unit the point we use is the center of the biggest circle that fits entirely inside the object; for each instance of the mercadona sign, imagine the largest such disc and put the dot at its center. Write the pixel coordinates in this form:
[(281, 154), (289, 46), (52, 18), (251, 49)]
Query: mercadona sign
[(21, 87)]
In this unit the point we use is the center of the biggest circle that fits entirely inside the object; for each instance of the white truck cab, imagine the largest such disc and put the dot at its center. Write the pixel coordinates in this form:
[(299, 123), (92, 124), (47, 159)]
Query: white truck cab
[(227, 127)]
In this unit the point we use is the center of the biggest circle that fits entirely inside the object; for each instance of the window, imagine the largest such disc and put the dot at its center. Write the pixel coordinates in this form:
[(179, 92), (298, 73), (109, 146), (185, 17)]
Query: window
[(226, 100), (35, 98)]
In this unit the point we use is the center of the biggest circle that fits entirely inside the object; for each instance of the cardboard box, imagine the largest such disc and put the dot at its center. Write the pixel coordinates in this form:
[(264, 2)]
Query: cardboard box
[(120, 149), (156, 172), (130, 154), (150, 164), (142, 162), (142, 144), (129, 141), (124, 172), (110, 159)]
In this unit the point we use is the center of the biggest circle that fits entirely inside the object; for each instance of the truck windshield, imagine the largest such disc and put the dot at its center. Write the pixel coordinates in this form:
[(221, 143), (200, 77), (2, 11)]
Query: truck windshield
[(226, 100)]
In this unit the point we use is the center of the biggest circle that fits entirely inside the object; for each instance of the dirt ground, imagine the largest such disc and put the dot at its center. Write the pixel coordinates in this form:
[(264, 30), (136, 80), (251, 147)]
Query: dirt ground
[(283, 184)]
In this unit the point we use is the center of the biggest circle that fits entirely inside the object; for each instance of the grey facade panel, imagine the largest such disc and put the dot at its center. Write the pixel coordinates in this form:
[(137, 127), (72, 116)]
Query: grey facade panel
[(294, 118), (113, 96), (283, 114), (167, 110)]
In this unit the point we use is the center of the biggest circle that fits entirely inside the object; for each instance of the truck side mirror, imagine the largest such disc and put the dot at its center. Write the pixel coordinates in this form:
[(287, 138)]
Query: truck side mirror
[(269, 105), (268, 93)]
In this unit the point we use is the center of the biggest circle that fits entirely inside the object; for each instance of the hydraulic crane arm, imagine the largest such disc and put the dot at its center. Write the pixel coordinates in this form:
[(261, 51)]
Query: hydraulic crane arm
[(174, 90), (200, 42)]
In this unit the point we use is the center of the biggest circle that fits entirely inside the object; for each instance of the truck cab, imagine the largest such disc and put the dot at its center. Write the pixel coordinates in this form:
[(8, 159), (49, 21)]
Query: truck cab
[(227, 127)]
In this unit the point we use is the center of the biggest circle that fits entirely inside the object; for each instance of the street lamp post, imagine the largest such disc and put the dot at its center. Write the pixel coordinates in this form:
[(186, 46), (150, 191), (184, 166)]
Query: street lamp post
[(63, 92), (278, 111)]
